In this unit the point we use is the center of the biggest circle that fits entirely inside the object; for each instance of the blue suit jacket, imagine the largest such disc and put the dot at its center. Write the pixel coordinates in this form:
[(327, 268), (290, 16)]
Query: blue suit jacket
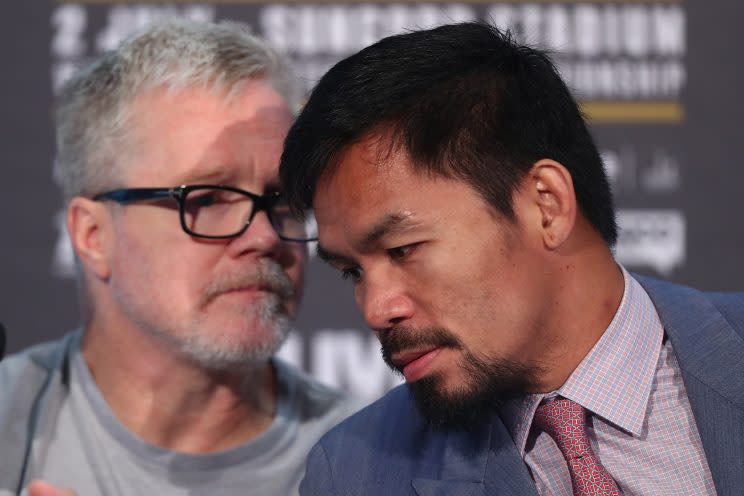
[(388, 449)]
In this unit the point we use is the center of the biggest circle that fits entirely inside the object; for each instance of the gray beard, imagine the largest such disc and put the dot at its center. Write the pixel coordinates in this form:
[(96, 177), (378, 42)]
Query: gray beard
[(216, 356)]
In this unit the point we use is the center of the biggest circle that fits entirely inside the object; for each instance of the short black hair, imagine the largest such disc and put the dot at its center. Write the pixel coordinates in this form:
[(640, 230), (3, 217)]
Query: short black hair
[(464, 101)]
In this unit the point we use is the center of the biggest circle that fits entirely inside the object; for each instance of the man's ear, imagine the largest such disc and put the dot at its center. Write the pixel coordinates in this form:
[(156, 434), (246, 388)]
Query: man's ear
[(89, 227), (551, 188)]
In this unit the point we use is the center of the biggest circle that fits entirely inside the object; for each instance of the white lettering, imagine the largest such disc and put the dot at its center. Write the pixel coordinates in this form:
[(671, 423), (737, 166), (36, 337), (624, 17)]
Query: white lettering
[(612, 166), (557, 30), (668, 25), (347, 359), (611, 30), (530, 29), (624, 78), (343, 29), (591, 29), (664, 173), (124, 19), (61, 72), (70, 21), (651, 238), (587, 29), (503, 16), (636, 36)]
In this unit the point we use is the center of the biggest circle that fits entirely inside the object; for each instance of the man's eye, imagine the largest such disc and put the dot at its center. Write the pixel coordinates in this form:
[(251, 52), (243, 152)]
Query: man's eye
[(351, 273), (400, 252), (203, 200)]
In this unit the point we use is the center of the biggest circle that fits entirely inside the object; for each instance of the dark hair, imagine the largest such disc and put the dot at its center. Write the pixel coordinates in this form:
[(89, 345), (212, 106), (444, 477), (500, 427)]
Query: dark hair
[(464, 101)]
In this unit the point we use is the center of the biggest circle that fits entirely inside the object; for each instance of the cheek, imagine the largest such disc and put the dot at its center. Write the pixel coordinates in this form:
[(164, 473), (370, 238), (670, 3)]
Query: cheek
[(163, 273), (463, 275), (480, 291)]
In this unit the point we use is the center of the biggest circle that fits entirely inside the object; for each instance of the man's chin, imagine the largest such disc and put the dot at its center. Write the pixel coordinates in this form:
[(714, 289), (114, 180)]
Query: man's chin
[(460, 409), (475, 397), (224, 357), (235, 347)]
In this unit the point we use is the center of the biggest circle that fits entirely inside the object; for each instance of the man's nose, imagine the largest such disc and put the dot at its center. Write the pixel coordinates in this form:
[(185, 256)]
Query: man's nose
[(384, 302), (260, 236)]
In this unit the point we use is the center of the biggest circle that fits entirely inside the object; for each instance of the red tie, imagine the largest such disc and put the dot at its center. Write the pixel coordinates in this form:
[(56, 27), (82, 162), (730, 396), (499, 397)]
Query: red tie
[(565, 422)]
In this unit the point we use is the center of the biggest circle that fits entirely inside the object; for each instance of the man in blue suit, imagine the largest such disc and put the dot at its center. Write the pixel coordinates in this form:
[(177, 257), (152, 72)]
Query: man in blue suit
[(456, 185)]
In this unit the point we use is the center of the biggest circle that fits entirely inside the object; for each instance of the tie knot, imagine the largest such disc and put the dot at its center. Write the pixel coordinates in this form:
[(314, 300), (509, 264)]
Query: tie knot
[(565, 421)]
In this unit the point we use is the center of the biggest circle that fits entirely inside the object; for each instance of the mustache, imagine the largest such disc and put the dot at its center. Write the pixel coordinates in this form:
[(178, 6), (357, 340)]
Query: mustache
[(267, 275), (401, 338)]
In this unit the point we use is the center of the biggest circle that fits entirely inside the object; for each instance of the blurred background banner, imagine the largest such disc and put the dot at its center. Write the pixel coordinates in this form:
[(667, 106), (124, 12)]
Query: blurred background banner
[(660, 81)]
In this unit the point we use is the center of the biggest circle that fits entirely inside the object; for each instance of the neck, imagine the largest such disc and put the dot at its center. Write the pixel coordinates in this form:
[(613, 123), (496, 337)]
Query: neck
[(171, 402), (587, 293)]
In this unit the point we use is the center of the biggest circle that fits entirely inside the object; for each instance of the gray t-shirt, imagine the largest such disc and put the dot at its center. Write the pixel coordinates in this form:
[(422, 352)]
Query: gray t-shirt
[(91, 452)]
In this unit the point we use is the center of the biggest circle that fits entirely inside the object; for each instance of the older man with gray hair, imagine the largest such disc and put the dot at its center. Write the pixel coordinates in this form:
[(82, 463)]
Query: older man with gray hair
[(191, 268)]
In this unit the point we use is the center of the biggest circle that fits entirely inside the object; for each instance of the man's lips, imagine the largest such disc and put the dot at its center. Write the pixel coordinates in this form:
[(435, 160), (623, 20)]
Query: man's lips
[(414, 364), (245, 291), (253, 289)]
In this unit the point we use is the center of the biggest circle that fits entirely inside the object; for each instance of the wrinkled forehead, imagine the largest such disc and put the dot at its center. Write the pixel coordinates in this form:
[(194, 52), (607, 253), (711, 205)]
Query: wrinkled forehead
[(253, 101), (197, 129)]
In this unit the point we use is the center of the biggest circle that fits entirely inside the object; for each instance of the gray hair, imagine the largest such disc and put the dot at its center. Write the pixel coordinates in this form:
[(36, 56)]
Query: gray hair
[(92, 107)]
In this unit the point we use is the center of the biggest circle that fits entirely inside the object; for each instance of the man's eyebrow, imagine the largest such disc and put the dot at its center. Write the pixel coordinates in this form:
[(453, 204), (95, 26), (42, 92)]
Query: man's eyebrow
[(212, 175), (390, 224)]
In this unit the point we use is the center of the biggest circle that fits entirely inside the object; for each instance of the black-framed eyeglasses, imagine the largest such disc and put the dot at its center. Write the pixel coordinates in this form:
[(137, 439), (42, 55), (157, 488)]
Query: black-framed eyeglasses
[(221, 212)]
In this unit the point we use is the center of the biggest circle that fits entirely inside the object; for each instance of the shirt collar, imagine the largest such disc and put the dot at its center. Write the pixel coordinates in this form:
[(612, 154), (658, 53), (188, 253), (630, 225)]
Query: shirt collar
[(614, 379)]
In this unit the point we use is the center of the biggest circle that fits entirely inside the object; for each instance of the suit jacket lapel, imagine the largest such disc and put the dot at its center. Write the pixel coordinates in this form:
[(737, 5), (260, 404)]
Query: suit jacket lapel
[(711, 358), (506, 471), (494, 467)]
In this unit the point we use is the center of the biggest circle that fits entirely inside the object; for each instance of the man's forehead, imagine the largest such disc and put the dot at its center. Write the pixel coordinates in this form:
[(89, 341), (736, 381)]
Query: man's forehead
[(209, 134), (254, 102), (372, 160), (371, 195), (380, 147)]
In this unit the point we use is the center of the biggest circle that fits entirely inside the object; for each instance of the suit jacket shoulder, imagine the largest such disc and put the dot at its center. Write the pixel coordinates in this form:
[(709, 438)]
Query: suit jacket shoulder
[(706, 334), (731, 306)]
